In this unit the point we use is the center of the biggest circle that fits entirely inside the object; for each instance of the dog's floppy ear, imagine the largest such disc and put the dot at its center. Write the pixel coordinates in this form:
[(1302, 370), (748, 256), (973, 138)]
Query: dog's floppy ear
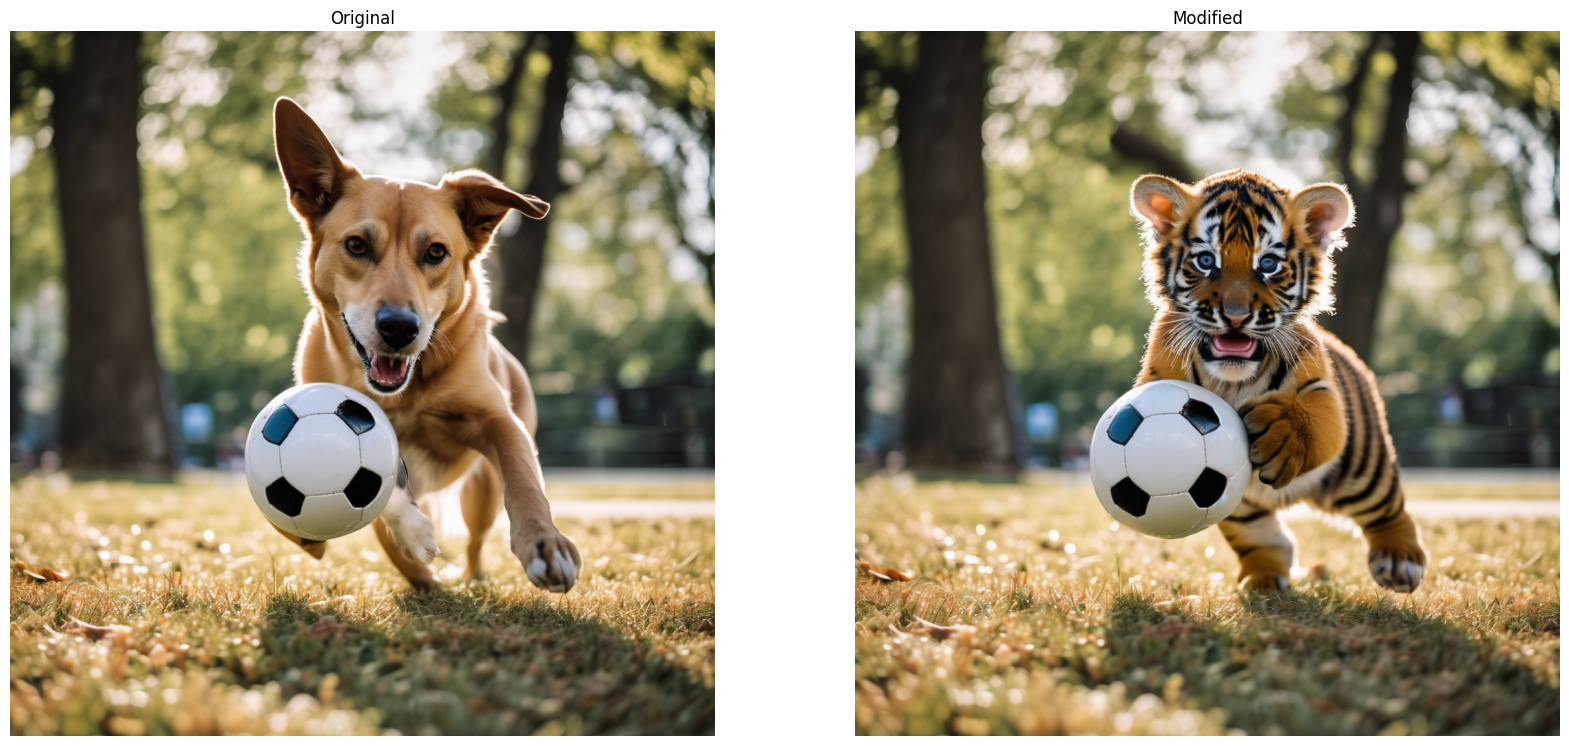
[(482, 202), (313, 172)]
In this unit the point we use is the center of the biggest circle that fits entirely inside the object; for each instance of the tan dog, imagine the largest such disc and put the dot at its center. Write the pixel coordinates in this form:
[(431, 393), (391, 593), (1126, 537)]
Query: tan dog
[(401, 311)]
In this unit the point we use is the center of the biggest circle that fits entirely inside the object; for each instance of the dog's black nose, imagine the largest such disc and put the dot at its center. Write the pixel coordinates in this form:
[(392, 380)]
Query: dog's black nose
[(398, 326)]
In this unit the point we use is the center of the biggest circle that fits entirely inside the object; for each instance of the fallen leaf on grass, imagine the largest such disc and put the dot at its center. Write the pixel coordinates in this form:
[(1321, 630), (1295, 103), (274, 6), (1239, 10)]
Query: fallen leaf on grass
[(117, 634), (40, 574), (962, 634), (1171, 626), (886, 574), (326, 626)]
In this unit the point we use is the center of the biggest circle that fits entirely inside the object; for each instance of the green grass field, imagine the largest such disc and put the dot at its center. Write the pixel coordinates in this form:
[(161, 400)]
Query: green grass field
[(219, 625), (1042, 618)]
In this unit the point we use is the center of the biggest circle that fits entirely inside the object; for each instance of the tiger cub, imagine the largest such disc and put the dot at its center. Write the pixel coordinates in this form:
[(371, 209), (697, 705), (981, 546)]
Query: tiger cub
[(1237, 268)]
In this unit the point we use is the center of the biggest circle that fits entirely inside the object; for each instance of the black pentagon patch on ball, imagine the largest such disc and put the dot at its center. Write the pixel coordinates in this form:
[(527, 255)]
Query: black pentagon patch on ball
[(1208, 488), (363, 487), (356, 416), (1123, 425), (285, 498), (1130, 497), (1201, 415), (279, 424)]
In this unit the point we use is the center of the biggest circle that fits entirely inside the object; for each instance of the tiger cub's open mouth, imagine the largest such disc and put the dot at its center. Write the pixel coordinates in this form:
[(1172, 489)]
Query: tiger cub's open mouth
[(1233, 344)]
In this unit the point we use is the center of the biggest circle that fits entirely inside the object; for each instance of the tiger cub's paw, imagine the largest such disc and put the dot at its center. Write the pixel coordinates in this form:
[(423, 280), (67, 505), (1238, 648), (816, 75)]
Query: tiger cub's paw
[(1399, 570), (1265, 583), (1281, 429), (1265, 568)]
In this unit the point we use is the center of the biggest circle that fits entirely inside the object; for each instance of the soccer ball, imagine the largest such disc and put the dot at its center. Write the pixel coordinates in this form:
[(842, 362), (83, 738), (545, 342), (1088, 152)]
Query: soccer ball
[(321, 460), (1170, 459)]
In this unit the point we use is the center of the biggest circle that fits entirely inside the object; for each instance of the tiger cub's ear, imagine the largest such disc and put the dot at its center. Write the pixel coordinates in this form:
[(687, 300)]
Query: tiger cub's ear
[(1160, 201), (1323, 210)]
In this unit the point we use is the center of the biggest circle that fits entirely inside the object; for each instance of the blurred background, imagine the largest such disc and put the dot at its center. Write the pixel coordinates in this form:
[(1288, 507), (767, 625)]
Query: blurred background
[(1014, 153), (155, 301)]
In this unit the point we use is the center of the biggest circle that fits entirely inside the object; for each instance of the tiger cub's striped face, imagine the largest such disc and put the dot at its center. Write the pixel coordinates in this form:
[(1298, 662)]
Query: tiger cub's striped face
[(1238, 264)]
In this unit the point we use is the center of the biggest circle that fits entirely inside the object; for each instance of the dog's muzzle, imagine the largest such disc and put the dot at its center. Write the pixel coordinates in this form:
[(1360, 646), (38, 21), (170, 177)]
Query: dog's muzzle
[(386, 373)]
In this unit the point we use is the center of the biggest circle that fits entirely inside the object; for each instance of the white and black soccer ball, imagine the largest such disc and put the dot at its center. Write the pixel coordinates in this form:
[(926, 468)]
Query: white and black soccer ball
[(321, 460), (1170, 459)]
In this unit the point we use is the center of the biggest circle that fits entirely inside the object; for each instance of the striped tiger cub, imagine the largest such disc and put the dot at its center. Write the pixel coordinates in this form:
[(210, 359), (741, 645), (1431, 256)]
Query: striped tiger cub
[(1237, 268)]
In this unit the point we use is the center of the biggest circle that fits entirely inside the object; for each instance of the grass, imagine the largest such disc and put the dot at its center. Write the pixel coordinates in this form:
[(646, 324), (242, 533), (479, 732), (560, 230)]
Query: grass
[(1059, 623), (237, 631)]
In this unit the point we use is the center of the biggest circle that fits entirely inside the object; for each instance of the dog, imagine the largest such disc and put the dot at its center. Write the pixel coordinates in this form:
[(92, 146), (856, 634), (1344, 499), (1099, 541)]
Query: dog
[(400, 310)]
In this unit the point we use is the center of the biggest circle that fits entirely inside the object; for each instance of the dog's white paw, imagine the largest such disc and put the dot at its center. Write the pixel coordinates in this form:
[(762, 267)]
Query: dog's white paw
[(411, 529), (550, 560)]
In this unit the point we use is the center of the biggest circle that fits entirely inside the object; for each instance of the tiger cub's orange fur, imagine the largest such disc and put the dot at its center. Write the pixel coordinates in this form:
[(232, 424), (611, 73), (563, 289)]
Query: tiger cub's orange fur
[(1237, 268)]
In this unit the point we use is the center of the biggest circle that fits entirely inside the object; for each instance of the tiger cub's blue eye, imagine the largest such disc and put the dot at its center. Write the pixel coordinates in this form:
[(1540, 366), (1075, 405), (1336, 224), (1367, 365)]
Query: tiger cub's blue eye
[(1268, 265), (1205, 262)]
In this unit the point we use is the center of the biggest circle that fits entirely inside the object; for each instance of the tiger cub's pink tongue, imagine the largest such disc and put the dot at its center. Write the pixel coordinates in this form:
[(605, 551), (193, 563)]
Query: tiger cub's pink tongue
[(1234, 344)]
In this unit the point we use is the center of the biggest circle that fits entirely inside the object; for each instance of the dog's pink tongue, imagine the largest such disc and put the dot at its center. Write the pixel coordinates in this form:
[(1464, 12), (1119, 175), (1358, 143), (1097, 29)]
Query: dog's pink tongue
[(387, 370), (1234, 344)]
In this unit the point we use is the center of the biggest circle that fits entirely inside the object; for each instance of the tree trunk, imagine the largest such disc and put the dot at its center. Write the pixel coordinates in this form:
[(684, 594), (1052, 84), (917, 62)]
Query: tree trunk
[(1137, 147), (1362, 266), (112, 416), (506, 98), (957, 415), (522, 254)]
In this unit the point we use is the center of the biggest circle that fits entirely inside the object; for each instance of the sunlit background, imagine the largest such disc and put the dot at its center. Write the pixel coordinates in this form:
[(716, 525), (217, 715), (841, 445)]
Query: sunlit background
[(1467, 333), (621, 350)]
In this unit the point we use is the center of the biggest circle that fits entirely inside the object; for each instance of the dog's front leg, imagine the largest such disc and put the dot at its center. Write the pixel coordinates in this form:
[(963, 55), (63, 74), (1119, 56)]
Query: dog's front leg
[(410, 529), (549, 558)]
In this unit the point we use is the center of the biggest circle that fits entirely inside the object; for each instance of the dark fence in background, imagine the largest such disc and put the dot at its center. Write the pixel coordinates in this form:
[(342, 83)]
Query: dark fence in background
[(665, 424), (670, 423), (1510, 423)]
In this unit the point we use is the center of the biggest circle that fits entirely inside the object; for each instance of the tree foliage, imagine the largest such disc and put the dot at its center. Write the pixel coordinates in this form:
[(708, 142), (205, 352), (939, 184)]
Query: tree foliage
[(1472, 289), (624, 296)]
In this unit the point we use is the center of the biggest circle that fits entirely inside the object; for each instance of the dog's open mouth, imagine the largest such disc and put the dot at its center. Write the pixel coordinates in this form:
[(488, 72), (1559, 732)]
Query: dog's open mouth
[(386, 373)]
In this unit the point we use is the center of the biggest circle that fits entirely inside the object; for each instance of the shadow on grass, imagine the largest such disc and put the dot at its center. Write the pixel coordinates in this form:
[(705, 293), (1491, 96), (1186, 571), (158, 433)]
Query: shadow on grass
[(1316, 662), (469, 661)]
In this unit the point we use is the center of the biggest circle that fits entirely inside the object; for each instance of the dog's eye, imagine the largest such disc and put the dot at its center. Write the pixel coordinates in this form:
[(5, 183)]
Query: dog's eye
[(435, 253), (355, 245)]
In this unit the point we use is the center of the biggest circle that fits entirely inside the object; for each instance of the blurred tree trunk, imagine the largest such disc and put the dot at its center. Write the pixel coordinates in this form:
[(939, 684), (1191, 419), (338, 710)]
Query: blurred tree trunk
[(957, 414), (522, 254), (1361, 267), (1143, 149), (112, 416), (506, 99)]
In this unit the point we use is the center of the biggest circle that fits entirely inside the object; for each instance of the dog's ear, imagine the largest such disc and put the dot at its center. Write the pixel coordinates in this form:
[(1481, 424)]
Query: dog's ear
[(482, 202), (313, 173)]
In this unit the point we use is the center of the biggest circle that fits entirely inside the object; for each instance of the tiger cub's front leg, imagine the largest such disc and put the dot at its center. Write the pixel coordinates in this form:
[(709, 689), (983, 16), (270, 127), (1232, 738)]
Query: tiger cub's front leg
[(1265, 548), (1296, 430)]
